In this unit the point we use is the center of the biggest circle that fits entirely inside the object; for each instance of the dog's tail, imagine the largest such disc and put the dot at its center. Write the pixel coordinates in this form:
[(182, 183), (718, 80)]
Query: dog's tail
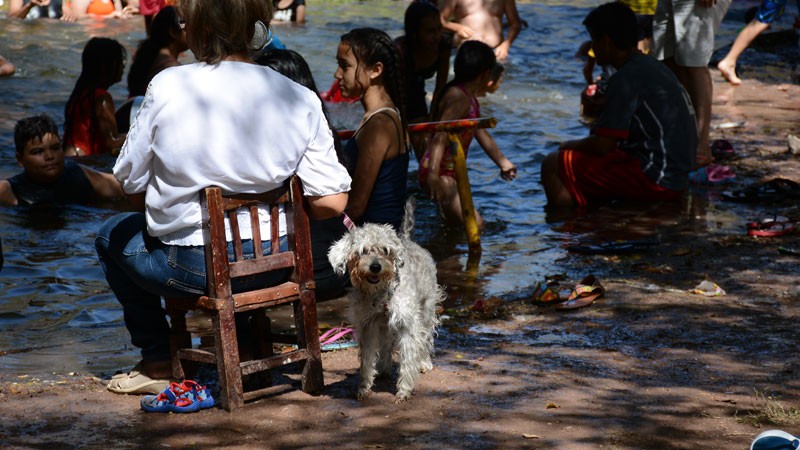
[(408, 219)]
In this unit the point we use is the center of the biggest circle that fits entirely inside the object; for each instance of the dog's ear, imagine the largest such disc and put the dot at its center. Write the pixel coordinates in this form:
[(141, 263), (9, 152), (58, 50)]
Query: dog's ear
[(339, 253)]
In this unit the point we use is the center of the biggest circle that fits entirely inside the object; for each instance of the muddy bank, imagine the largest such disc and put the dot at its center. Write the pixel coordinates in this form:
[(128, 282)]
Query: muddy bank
[(650, 366)]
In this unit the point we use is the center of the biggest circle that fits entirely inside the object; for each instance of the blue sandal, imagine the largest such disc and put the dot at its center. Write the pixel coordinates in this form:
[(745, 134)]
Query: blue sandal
[(172, 399)]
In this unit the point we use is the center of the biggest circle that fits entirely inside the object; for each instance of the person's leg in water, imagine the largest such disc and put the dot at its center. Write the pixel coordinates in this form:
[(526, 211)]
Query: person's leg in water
[(450, 204), (555, 190)]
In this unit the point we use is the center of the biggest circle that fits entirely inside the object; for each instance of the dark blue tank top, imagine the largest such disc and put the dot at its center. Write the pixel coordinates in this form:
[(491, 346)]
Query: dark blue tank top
[(72, 187), (387, 201)]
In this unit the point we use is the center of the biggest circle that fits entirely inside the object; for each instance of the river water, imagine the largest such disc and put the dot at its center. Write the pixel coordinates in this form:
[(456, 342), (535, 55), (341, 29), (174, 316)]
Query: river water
[(56, 311)]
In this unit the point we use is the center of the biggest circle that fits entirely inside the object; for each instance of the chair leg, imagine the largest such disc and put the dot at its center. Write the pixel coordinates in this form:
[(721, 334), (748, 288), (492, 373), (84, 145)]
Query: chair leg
[(179, 338), (308, 337), (227, 355)]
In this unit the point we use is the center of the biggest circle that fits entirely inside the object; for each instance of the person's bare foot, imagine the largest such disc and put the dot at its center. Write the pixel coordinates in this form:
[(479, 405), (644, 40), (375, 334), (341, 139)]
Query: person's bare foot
[(728, 72)]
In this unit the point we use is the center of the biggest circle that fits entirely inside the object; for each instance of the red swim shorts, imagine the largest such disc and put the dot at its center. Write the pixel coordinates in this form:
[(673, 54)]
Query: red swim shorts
[(615, 176)]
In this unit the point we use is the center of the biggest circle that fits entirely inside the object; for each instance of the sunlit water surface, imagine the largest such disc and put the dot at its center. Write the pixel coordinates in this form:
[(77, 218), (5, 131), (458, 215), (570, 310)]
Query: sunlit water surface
[(56, 311)]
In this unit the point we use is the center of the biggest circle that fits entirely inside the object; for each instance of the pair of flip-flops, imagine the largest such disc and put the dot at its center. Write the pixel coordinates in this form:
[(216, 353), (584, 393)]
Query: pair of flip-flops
[(771, 225), (549, 292), (332, 339), (186, 397), (711, 174), (583, 294), (722, 150), (772, 191)]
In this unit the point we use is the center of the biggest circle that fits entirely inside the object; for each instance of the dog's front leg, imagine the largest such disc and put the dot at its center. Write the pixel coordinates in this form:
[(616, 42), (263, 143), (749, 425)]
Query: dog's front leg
[(410, 356), (370, 343)]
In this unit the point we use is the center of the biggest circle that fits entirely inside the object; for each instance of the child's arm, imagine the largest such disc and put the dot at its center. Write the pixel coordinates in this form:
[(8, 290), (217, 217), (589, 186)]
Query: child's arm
[(514, 27), (18, 10), (104, 184), (588, 70), (442, 70), (508, 171), (107, 124), (374, 141), (7, 197)]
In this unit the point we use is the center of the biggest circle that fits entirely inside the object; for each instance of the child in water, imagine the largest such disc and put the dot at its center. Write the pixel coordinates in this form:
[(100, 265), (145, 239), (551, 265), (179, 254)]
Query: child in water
[(425, 52), (377, 156), (90, 126), (474, 67), (47, 177)]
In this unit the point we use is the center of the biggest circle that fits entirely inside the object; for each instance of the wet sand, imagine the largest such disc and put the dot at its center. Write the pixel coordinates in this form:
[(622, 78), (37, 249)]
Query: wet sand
[(650, 366)]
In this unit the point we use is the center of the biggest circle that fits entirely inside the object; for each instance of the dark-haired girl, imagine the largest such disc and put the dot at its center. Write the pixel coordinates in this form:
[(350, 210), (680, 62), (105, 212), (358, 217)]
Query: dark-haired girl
[(425, 52), (158, 52), (377, 156), (90, 126)]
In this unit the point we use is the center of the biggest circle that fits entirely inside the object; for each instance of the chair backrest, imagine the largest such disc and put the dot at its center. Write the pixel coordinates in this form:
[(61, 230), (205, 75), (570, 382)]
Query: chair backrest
[(220, 271)]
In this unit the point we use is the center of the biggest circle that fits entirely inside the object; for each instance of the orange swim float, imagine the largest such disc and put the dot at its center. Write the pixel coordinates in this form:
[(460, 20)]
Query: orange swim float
[(100, 7)]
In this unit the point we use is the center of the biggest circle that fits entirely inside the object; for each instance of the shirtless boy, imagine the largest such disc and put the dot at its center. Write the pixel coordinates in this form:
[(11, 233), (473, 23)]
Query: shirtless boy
[(482, 20), (47, 177)]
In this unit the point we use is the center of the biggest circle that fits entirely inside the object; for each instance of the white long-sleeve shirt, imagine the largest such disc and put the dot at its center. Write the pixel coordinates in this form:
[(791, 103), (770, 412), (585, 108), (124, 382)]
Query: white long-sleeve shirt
[(239, 126)]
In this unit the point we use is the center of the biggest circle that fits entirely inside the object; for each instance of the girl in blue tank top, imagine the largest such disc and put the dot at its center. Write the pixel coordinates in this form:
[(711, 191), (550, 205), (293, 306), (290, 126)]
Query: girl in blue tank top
[(377, 156)]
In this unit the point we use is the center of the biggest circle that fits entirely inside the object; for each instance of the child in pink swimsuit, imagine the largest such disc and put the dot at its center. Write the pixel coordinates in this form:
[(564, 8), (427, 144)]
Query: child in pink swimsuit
[(473, 66)]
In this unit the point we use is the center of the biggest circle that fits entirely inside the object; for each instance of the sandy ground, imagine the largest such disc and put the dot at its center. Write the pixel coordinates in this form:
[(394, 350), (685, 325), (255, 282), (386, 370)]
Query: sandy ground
[(651, 366)]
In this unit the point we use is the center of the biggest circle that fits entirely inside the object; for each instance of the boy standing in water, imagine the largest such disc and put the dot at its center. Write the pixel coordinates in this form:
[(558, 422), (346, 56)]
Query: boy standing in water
[(47, 177), (482, 20), (642, 146)]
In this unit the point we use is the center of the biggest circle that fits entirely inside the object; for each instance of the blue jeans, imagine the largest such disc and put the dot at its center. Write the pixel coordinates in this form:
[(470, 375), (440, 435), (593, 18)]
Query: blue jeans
[(141, 269)]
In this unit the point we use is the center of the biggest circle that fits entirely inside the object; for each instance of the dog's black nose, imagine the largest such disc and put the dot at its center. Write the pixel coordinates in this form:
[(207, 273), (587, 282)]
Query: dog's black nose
[(374, 267)]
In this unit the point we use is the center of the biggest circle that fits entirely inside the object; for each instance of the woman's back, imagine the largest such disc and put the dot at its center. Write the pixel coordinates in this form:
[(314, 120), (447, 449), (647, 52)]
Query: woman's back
[(236, 125)]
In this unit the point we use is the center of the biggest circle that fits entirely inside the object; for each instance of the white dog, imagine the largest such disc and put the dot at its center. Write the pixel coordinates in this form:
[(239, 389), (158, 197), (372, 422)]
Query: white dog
[(393, 301)]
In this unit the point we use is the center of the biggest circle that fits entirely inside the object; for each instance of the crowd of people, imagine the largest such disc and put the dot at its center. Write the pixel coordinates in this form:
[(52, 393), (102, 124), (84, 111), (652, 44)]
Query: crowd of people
[(638, 147)]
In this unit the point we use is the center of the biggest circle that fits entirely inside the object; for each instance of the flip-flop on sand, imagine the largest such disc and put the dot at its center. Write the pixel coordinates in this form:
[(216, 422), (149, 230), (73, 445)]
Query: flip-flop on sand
[(584, 294), (136, 382), (722, 150), (549, 293), (330, 339), (772, 191), (771, 225)]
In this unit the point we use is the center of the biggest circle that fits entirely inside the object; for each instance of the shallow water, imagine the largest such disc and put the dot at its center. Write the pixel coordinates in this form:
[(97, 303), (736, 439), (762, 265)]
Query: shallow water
[(56, 311)]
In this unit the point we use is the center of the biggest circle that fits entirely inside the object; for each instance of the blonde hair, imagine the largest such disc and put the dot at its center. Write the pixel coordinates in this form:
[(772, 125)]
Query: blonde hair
[(219, 28)]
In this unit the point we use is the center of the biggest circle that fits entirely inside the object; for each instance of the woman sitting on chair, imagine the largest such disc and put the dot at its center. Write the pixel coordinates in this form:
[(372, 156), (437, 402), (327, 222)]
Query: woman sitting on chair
[(203, 124)]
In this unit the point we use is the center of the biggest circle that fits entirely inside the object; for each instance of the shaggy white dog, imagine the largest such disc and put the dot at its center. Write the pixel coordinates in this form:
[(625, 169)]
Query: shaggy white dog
[(392, 303)]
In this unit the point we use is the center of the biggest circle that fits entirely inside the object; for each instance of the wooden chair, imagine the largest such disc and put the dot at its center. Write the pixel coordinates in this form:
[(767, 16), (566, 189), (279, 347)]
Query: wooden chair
[(222, 303)]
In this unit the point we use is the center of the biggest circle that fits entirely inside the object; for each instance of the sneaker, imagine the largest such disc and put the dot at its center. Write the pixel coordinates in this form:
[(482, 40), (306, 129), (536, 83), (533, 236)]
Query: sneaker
[(775, 440)]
